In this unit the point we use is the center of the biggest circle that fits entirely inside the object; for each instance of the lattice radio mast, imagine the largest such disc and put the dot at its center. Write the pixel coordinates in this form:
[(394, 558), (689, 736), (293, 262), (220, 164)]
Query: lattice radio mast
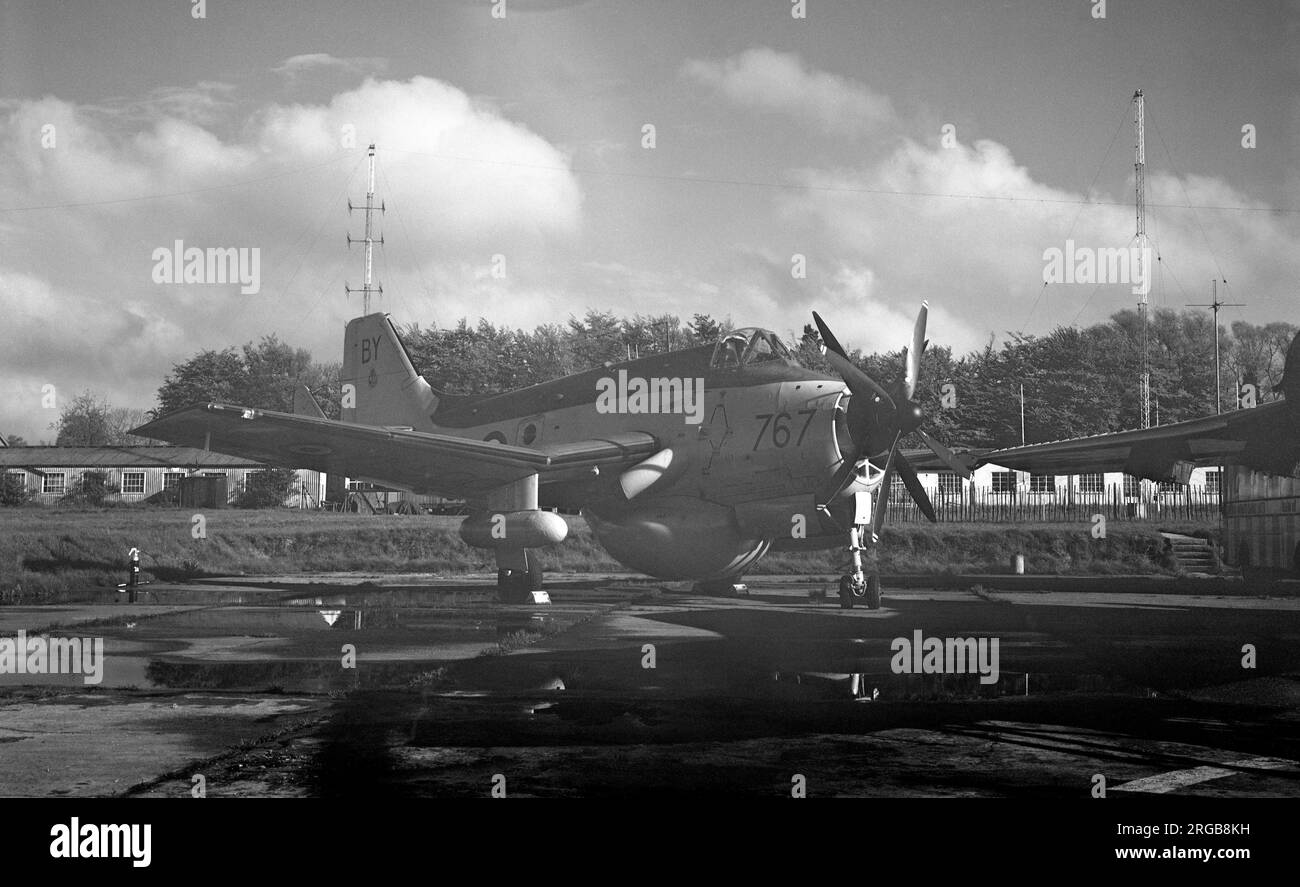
[(1140, 185), (369, 287)]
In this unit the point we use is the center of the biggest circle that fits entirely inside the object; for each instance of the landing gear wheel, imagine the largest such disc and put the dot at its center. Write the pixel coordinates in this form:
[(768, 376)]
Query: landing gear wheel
[(850, 591), (720, 588), (873, 592), (516, 586), (865, 589), (508, 590)]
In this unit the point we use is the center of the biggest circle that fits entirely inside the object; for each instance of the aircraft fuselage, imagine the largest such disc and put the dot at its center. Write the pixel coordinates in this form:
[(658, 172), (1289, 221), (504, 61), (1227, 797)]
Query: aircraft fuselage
[(745, 452)]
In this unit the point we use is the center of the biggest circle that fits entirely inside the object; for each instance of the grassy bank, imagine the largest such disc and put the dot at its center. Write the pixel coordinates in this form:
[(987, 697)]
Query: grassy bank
[(60, 553)]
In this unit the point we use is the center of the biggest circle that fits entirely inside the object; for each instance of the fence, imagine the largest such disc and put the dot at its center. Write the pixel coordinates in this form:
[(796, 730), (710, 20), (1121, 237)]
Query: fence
[(973, 505)]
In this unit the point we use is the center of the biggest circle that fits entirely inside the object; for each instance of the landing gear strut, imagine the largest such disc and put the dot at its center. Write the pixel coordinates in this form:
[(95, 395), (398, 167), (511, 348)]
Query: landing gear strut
[(857, 585)]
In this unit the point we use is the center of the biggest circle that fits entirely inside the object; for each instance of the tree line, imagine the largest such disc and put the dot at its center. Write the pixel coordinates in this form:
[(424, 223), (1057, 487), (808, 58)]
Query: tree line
[(1076, 381)]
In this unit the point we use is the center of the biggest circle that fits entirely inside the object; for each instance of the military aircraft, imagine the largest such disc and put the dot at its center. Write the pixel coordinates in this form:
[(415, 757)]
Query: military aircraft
[(687, 465)]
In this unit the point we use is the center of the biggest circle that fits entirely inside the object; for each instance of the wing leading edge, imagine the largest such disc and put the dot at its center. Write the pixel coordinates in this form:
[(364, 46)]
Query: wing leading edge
[(1265, 438), (418, 461)]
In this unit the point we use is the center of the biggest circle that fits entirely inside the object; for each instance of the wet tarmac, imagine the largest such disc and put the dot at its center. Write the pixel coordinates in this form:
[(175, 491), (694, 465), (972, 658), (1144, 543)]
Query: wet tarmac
[(345, 685)]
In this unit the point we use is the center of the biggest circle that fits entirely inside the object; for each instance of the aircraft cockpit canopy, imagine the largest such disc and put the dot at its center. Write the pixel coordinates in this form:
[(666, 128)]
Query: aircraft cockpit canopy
[(749, 346)]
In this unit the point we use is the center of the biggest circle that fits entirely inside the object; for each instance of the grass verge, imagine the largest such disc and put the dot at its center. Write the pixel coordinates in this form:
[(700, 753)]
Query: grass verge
[(51, 554)]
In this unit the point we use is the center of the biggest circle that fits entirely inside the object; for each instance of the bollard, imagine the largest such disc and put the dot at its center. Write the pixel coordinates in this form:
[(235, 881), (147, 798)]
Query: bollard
[(1018, 565), (134, 581)]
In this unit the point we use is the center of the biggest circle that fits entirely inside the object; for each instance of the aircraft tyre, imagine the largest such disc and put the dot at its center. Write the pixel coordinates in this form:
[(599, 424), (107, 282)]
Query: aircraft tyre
[(866, 590), (515, 586), (873, 592), (847, 592), (718, 587)]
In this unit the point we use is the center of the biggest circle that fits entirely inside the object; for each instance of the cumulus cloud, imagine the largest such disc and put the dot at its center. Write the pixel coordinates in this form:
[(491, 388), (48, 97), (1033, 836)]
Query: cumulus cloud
[(768, 80), (205, 103), (459, 167), (90, 196), (967, 227), (315, 62), (964, 227)]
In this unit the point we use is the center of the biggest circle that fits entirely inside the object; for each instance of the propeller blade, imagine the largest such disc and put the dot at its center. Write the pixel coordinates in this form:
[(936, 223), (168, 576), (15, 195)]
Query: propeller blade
[(912, 355), (843, 477), (949, 458), (913, 484), (882, 492), (859, 382)]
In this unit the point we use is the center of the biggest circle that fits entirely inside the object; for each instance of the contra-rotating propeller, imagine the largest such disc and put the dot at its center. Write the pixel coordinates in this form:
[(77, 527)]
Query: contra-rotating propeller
[(878, 420)]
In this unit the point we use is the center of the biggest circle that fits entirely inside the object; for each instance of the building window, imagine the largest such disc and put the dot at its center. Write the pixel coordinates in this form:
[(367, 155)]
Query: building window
[(214, 474), (1042, 483), (172, 480), (132, 481), (950, 483), (17, 478), (1171, 487), (1213, 482), (1004, 481), (56, 483), (1132, 486), (1092, 483)]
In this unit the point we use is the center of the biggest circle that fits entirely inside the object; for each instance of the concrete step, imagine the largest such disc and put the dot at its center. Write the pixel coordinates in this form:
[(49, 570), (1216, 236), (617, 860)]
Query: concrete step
[(1193, 555)]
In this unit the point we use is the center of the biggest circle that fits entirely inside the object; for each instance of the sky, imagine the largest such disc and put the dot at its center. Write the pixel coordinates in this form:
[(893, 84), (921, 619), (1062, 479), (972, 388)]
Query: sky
[(847, 157)]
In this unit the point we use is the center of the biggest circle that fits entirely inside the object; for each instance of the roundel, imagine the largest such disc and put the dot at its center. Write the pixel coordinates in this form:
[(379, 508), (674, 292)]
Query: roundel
[(530, 434), (496, 437)]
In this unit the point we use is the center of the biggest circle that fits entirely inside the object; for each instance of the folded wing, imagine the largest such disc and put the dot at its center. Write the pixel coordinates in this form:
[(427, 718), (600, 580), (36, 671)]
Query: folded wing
[(1264, 438)]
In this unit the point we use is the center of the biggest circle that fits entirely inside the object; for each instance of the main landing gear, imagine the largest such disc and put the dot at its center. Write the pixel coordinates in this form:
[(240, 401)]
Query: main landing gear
[(720, 588), (856, 585), (522, 582)]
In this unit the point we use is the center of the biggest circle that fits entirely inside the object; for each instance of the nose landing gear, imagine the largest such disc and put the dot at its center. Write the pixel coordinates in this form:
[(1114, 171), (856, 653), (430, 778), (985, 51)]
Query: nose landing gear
[(856, 585)]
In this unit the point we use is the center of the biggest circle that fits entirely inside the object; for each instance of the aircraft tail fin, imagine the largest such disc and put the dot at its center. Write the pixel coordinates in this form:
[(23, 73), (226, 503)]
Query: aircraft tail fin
[(380, 384)]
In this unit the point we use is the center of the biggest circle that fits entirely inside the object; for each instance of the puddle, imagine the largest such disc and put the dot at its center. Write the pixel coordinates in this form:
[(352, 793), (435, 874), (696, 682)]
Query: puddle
[(292, 648), (887, 686)]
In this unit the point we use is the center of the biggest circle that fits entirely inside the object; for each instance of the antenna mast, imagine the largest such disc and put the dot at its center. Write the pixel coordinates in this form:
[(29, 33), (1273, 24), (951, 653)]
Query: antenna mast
[(1140, 185), (1214, 306), (368, 288)]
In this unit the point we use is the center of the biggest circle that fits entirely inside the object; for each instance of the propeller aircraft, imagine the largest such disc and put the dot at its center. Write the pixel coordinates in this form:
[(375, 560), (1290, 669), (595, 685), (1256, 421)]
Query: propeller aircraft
[(689, 465)]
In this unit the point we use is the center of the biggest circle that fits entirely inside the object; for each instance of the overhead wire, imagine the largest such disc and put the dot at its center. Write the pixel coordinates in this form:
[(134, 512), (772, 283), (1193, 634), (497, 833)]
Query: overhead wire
[(789, 186), (1178, 177), (170, 194), (410, 242), (347, 184), (1095, 176)]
